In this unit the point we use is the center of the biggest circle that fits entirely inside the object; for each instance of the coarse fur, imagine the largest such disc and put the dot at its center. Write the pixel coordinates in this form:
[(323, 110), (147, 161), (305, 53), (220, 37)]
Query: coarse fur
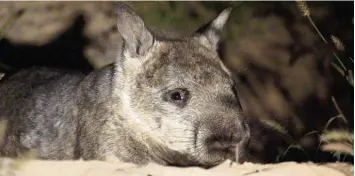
[(169, 101)]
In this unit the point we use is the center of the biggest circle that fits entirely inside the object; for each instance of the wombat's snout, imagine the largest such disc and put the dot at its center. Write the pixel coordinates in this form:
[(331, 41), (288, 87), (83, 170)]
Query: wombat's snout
[(230, 141)]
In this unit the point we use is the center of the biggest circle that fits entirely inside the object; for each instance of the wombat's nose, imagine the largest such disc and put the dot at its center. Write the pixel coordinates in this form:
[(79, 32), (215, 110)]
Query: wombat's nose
[(230, 138), (227, 143)]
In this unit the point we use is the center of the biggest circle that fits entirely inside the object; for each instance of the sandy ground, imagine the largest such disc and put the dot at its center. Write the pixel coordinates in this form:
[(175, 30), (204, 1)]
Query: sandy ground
[(90, 168)]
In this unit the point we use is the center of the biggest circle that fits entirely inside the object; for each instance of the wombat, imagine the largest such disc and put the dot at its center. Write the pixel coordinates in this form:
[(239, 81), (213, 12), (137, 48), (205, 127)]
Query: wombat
[(166, 100)]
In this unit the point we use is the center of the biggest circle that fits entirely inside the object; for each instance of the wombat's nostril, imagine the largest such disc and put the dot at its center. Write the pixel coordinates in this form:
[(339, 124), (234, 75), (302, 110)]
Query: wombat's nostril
[(224, 142)]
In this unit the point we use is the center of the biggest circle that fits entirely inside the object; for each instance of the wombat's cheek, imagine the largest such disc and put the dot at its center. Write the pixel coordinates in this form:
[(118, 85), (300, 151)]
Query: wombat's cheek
[(177, 137)]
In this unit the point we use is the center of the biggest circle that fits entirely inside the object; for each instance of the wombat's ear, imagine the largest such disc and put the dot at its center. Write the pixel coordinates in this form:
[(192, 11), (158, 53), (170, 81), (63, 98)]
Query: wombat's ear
[(137, 38), (212, 31)]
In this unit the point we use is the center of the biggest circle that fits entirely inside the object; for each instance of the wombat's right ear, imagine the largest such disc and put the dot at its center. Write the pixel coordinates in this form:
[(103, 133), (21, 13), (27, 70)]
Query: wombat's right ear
[(212, 31), (137, 38)]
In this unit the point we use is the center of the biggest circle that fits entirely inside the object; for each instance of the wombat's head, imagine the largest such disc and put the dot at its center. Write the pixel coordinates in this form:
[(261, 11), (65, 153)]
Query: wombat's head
[(180, 91)]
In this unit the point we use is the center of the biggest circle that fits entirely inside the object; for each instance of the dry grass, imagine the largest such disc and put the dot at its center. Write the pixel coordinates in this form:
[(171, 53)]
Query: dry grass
[(339, 65), (338, 142)]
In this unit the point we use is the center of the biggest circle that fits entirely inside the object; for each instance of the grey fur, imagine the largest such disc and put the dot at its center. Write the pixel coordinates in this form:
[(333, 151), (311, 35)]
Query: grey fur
[(121, 112)]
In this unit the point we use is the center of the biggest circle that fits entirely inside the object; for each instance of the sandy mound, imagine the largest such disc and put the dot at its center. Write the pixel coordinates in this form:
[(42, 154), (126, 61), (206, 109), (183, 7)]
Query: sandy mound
[(88, 168)]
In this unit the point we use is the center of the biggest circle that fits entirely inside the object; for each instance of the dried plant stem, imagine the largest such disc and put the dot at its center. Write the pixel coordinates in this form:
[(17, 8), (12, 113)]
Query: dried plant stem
[(325, 41), (337, 107), (1, 75), (307, 13), (344, 148), (341, 63), (315, 27)]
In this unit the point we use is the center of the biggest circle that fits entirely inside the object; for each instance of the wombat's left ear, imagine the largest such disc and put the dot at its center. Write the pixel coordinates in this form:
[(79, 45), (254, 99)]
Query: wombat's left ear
[(137, 37), (212, 31)]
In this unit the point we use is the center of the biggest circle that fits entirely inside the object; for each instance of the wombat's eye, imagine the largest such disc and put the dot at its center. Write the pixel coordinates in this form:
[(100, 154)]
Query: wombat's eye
[(177, 96)]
